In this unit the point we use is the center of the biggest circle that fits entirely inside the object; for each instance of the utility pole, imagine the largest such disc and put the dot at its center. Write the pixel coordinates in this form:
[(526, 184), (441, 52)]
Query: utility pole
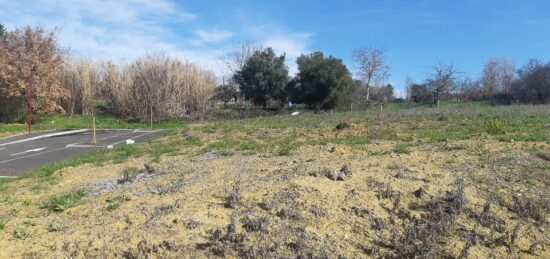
[(29, 99)]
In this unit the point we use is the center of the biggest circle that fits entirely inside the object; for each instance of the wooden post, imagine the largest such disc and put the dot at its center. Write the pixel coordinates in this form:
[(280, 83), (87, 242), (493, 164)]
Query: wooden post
[(151, 113), (93, 129)]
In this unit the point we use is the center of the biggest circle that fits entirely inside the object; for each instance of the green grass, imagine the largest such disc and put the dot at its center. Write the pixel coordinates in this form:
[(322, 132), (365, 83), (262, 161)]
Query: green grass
[(495, 127), (59, 203), (52, 122), (55, 227), (113, 206), (280, 135), (402, 149), (3, 224), (20, 233)]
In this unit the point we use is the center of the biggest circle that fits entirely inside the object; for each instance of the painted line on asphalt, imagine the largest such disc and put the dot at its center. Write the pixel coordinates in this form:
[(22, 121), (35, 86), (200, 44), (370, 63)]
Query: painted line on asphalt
[(134, 137), (57, 149), (81, 144), (29, 151), (45, 136), (9, 160), (77, 145)]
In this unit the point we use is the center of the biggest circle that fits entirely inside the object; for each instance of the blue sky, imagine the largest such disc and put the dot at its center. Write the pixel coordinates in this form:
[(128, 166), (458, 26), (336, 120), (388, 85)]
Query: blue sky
[(416, 34)]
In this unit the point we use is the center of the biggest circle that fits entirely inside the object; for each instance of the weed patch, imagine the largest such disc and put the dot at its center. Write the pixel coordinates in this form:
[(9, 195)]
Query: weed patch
[(495, 127), (401, 149), (3, 224), (59, 203)]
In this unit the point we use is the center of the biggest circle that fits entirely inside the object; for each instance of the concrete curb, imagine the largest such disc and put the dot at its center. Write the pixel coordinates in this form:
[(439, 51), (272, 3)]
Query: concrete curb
[(45, 136)]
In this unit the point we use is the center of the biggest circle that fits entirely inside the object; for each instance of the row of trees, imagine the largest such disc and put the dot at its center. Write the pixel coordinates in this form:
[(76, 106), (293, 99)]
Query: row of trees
[(155, 86), (322, 82), (325, 82), (163, 87), (499, 82)]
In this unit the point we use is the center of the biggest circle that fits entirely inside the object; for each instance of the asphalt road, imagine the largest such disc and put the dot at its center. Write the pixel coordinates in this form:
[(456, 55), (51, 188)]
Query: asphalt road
[(23, 153)]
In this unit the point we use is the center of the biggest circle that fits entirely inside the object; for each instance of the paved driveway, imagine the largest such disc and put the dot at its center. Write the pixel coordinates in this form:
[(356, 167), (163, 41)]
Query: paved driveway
[(25, 152)]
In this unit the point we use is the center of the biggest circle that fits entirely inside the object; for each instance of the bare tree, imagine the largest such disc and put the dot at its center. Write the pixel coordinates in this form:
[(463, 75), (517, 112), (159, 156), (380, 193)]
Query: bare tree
[(497, 76), (241, 52), (409, 82), (372, 64), (441, 81), (507, 71), (490, 77), (235, 59), (469, 89)]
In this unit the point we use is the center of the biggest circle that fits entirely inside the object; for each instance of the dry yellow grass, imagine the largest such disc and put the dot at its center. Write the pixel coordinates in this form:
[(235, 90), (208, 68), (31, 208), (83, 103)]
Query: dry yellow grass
[(307, 213)]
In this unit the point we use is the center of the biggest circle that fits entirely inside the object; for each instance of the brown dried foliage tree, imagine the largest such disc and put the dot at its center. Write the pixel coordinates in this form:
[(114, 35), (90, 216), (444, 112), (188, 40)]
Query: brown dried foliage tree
[(22, 50)]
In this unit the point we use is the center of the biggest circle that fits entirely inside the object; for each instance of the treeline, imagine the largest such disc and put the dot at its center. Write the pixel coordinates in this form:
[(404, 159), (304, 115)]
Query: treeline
[(322, 82), (160, 87), (499, 82), (154, 87)]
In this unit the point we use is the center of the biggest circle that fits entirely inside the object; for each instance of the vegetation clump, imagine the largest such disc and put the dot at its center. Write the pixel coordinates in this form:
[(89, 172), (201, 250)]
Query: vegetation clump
[(59, 203)]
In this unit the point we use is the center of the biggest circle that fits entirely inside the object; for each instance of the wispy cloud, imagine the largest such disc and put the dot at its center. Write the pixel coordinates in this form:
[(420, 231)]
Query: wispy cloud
[(205, 36), (126, 30), (292, 44)]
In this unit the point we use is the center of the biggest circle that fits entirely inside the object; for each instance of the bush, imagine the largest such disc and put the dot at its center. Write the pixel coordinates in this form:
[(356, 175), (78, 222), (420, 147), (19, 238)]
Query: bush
[(495, 127), (166, 88), (155, 85)]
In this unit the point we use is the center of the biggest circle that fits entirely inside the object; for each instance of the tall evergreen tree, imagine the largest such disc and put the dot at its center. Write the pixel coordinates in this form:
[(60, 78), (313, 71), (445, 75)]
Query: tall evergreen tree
[(263, 77), (321, 81)]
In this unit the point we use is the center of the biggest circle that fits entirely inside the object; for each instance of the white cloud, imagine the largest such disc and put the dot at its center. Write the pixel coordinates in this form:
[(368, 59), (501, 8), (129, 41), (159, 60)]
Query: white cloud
[(126, 30), (212, 36), (118, 30), (293, 45)]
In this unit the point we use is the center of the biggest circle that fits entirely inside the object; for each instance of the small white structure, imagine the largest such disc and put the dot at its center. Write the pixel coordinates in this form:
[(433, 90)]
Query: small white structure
[(130, 141), (295, 113)]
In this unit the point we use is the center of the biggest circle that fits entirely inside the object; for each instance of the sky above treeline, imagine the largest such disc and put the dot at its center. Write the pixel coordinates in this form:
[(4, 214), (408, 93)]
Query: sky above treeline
[(416, 34)]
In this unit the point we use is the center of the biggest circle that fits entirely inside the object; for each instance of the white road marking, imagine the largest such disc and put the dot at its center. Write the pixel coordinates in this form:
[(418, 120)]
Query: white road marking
[(57, 149), (80, 144), (29, 151), (134, 137), (17, 158), (77, 145), (45, 136)]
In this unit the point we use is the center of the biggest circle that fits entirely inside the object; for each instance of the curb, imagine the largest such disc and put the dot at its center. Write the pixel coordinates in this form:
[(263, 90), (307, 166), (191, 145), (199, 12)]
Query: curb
[(45, 136)]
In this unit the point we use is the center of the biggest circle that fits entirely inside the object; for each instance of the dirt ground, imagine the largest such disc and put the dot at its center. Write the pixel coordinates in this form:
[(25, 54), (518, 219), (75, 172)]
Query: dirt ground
[(472, 198)]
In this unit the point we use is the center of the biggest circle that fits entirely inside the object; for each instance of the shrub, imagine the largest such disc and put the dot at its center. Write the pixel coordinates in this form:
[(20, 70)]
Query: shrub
[(163, 87), (495, 127), (342, 125), (155, 85)]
